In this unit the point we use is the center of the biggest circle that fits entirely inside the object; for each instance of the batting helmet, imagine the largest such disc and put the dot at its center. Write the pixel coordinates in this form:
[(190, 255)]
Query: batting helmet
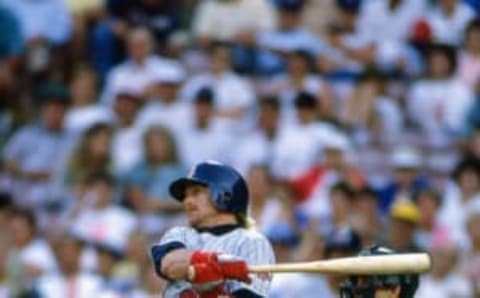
[(228, 190), (365, 286)]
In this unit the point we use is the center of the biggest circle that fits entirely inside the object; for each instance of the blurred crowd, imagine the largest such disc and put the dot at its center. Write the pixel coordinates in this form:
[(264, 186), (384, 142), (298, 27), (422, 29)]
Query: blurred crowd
[(354, 121)]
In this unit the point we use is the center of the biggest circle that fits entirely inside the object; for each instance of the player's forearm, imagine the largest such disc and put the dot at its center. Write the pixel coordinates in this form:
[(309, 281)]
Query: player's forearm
[(175, 264)]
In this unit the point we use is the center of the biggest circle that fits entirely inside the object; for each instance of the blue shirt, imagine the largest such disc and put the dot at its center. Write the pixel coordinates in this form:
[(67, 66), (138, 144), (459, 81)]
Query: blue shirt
[(154, 180), (11, 42)]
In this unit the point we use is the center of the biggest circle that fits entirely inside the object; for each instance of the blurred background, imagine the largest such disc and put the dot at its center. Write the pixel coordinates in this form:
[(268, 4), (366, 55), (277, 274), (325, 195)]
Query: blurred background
[(355, 122)]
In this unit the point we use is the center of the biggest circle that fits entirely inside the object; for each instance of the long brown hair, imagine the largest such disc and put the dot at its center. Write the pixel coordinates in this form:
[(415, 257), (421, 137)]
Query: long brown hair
[(81, 166), (167, 136)]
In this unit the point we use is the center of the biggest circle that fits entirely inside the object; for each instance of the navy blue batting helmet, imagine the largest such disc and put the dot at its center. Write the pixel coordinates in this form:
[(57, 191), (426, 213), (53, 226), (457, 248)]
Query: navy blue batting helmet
[(228, 190), (365, 286)]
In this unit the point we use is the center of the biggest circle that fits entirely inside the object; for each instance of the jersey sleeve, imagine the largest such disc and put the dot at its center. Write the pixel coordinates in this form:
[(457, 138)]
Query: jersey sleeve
[(176, 238), (254, 250)]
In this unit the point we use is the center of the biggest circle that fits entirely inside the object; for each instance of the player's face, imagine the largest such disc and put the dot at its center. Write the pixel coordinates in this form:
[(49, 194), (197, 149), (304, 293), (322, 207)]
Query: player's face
[(198, 208), (388, 293)]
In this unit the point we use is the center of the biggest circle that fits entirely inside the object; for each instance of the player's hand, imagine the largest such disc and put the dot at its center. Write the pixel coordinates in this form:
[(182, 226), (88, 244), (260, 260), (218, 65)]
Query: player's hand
[(234, 268), (224, 265)]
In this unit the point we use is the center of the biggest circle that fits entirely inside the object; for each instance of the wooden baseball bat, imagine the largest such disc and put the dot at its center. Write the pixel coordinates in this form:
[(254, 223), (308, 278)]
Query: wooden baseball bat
[(360, 265)]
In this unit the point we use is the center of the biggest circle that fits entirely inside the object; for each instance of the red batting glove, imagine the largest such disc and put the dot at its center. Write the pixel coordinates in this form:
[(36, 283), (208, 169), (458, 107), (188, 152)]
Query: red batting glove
[(189, 294), (200, 256), (234, 268)]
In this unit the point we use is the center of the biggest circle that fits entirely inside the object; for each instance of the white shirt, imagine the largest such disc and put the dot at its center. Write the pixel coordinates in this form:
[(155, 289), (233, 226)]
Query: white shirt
[(39, 255), (133, 77), (439, 106), (222, 20), (46, 18), (127, 148), (213, 143), (230, 91), (293, 285), (57, 286), (176, 116), (450, 29), (297, 149), (111, 225), (253, 148), (454, 285), (453, 214), (380, 24), (78, 119)]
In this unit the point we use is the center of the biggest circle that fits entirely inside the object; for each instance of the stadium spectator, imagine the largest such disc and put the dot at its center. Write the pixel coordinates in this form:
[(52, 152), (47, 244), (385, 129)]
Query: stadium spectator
[(138, 71), (407, 179), (11, 42), (84, 110), (366, 219), (164, 106), (34, 153), (448, 20), (429, 101), (402, 224), (214, 20), (430, 232), (445, 280), (468, 71), (97, 219), (470, 259), (29, 256), (461, 196), (92, 154), (147, 182), (233, 95), (69, 280)]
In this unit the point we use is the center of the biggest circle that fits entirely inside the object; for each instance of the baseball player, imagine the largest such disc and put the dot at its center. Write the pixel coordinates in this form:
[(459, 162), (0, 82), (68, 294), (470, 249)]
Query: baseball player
[(380, 286), (210, 257)]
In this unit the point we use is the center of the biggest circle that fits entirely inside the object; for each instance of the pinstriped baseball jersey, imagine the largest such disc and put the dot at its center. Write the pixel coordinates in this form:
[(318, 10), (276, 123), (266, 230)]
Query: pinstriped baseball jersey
[(249, 245)]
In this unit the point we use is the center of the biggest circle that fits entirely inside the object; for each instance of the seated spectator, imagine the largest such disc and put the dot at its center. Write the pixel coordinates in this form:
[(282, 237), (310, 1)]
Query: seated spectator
[(205, 138), (468, 71), (147, 182), (165, 105), (11, 41), (96, 219), (39, 35), (298, 148), (69, 280), (461, 195), (29, 256), (128, 271), (407, 179), (340, 243), (151, 285), (349, 49), (35, 152), (91, 155), (290, 36), (445, 280), (430, 104), (270, 205), (448, 20), (213, 20), (371, 113), (84, 111), (431, 232), (470, 259), (107, 258), (233, 95), (402, 223), (299, 78), (127, 137), (160, 17), (366, 219), (138, 71), (257, 146)]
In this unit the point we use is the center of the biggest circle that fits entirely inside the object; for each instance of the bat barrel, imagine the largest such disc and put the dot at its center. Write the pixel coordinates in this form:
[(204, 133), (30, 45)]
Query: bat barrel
[(362, 265)]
